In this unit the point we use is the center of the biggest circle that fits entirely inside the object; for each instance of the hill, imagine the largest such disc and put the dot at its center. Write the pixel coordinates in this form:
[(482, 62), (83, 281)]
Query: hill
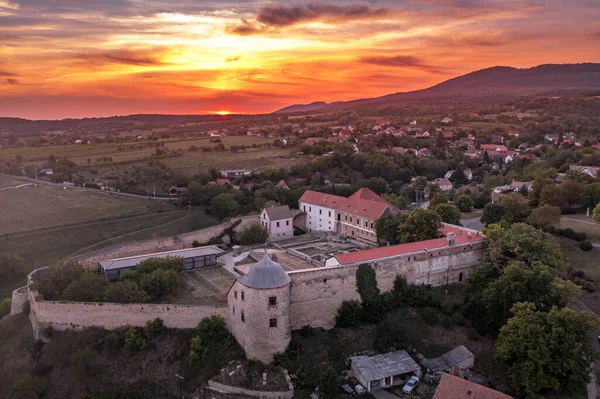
[(488, 85)]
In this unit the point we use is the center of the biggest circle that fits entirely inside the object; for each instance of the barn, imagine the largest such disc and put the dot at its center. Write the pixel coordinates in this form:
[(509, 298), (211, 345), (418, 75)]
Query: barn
[(193, 258)]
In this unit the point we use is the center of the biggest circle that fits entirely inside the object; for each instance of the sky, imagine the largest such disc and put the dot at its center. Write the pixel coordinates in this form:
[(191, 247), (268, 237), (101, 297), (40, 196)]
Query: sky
[(88, 58)]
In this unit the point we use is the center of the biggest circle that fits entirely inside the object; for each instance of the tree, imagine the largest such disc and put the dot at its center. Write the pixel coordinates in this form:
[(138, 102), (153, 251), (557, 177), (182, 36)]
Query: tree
[(90, 287), (160, 282), (197, 350), (30, 387), (517, 207), (547, 351), (53, 283), (366, 285), (437, 199), (591, 195), (464, 203), (537, 187), (420, 225), (224, 205), (553, 195), (84, 359), (328, 383), (524, 243), (125, 292), (5, 307), (254, 234), (544, 217), (571, 191), (349, 314), (387, 227), (493, 213), (449, 213), (518, 282), (596, 214)]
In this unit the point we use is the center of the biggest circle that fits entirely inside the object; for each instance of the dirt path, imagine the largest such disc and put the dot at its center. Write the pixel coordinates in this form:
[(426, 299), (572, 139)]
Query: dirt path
[(158, 244)]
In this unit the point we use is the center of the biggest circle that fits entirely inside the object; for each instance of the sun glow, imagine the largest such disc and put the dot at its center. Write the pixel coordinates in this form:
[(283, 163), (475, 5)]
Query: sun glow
[(224, 113)]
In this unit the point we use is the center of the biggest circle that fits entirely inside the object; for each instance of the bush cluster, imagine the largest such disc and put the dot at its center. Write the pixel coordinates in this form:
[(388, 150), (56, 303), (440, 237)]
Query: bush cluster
[(567, 233), (138, 338)]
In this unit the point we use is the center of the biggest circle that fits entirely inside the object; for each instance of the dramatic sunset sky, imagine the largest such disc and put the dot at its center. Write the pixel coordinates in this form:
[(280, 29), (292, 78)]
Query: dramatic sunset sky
[(77, 58)]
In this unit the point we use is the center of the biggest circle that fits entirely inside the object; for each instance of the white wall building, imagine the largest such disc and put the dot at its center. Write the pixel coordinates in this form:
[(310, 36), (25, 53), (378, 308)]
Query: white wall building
[(279, 222), (318, 218)]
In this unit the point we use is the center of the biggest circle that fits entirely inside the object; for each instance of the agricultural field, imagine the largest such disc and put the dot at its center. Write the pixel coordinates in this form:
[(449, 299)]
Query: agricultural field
[(7, 181), (44, 206)]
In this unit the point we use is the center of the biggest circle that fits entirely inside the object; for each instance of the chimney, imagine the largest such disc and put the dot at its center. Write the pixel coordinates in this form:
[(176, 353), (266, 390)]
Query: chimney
[(451, 239)]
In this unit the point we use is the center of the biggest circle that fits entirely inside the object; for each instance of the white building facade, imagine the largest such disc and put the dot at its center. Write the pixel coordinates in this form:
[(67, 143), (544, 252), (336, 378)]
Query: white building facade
[(318, 218), (278, 220)]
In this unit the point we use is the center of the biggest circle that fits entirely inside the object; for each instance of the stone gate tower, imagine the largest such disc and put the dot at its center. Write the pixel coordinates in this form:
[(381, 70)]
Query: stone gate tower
[(259, 310)]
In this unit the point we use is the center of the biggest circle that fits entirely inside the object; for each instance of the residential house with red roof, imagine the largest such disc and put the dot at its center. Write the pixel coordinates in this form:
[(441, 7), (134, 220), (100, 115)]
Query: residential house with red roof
[(444, 184), (453, 387), (282, 185), (352, 217)]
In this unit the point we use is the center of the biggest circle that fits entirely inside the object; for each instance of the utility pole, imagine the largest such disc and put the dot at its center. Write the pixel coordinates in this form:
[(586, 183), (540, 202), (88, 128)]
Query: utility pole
[(35, 171)]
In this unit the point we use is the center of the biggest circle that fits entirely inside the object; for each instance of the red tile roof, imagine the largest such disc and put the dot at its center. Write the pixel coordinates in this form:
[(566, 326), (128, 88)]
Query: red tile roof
[(462, 237), (364, 203), (452, 387)]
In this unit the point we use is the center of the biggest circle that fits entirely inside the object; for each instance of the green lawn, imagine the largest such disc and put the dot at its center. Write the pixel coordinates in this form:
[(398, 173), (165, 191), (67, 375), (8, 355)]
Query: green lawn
[(581, 223), (589, 261)]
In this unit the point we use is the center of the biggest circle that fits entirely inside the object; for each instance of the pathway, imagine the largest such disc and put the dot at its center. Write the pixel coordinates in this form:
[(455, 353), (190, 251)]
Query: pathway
[(381, 394)]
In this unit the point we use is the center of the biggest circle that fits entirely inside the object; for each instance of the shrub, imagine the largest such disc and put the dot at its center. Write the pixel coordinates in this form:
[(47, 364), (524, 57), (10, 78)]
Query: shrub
[(84, 359), (446, 323), (589, 286), (160, 282), (391, 333), (349, 314), (90, 287), (212, 329), (430, 315), (154, 328), (195, 244), (472, 334), (125, 292), (586, 245), (573, 235), (254, 234), (197, 350), (135, 339), (4, 307), (307, 331), (459, 319), (29, 386), (328, 382)]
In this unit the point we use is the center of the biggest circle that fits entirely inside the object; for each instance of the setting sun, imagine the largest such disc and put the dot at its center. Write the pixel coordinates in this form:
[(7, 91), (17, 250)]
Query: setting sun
[(224, 113)]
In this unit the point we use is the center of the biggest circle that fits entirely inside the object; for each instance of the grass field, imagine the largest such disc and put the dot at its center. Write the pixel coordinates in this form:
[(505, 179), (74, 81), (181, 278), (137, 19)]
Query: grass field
[(581, 223), (44, 206), (6, 181), (578, 259)]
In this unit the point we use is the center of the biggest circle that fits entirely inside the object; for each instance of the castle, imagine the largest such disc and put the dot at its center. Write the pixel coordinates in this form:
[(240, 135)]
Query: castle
[(265, 305)]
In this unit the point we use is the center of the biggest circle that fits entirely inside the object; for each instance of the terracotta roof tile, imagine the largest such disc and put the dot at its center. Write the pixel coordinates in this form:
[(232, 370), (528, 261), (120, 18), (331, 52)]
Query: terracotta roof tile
[(452, 387), (364, 203)]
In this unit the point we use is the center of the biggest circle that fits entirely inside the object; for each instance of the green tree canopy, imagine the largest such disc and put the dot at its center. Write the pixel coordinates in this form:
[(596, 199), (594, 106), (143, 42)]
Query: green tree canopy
[(464, 203), (517, 207), (90, 287), (224, 205), (420, 225), (493, 213), (596, 214), (387, 227), (544, 217), (436, 199), (524, 243), (254, 234), (449, 213), (489, 302), (547, 351)]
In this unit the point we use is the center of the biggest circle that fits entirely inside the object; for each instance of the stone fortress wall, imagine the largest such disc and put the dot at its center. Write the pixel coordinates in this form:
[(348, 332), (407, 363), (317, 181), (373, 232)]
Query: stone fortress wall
[(317, 294), (312, 298)]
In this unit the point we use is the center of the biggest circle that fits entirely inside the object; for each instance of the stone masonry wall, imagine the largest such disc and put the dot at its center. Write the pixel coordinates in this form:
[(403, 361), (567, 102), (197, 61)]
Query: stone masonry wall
[(71, 315), (317, 294)]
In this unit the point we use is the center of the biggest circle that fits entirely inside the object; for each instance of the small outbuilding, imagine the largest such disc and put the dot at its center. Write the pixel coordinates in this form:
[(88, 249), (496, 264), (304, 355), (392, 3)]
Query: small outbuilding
[(193, 258), (459, 357), (384, 370)]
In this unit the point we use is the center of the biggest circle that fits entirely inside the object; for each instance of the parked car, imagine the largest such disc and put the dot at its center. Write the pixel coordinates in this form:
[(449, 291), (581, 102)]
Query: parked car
[(347, 389), (411, 385)]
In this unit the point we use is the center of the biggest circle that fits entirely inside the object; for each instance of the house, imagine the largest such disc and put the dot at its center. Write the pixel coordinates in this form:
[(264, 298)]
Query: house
[(423, 135), (352, 217), (252, 132), (513, 187), (471, 153), (175, 191), (232, 173), (278, 220), (497, 139), (384, 370), (382, 122), (218, 134), (85, 176), (193, 258), (570, 136), (345, 133), (248, 186), (458, 358), (402, 150), (413, 123), (47, 171), (493, 147), (446, 120), (424, 152), (444, 184), (282, 185), (552, 138), (453, 387), (513, 133), (591, 171)]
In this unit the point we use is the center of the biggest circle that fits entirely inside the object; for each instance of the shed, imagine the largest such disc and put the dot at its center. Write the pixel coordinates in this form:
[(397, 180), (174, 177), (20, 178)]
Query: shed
[(193, 258), (459, 357), (384, 370)]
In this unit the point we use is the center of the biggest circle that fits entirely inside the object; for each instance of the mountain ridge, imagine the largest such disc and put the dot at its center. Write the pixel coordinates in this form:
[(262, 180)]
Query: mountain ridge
[(497, 83)]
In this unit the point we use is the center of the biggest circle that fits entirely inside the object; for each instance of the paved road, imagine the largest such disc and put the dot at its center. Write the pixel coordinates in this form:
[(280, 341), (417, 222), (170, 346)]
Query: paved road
[(93, 190), (472, 223)]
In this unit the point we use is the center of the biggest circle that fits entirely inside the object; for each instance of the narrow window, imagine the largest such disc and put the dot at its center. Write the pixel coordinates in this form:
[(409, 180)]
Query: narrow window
[(310, 208), (234, 310), (304, 206), (272, 300), (329, 213), (243, 296), (277, 224), (460, 276), (320, 211), (272, 323), (242, 316), (287, 222), (235, 294)]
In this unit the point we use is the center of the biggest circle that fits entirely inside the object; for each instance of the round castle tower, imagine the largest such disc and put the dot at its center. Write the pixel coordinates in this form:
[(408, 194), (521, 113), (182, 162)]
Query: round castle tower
[(259, 310)]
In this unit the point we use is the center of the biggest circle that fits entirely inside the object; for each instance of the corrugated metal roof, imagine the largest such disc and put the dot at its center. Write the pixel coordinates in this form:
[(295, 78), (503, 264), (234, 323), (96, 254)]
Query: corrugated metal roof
[(377, 367), (121, 263)]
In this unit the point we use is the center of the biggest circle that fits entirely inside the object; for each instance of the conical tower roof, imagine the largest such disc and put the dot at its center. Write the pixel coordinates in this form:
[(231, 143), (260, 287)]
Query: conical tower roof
[(265, 274)]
